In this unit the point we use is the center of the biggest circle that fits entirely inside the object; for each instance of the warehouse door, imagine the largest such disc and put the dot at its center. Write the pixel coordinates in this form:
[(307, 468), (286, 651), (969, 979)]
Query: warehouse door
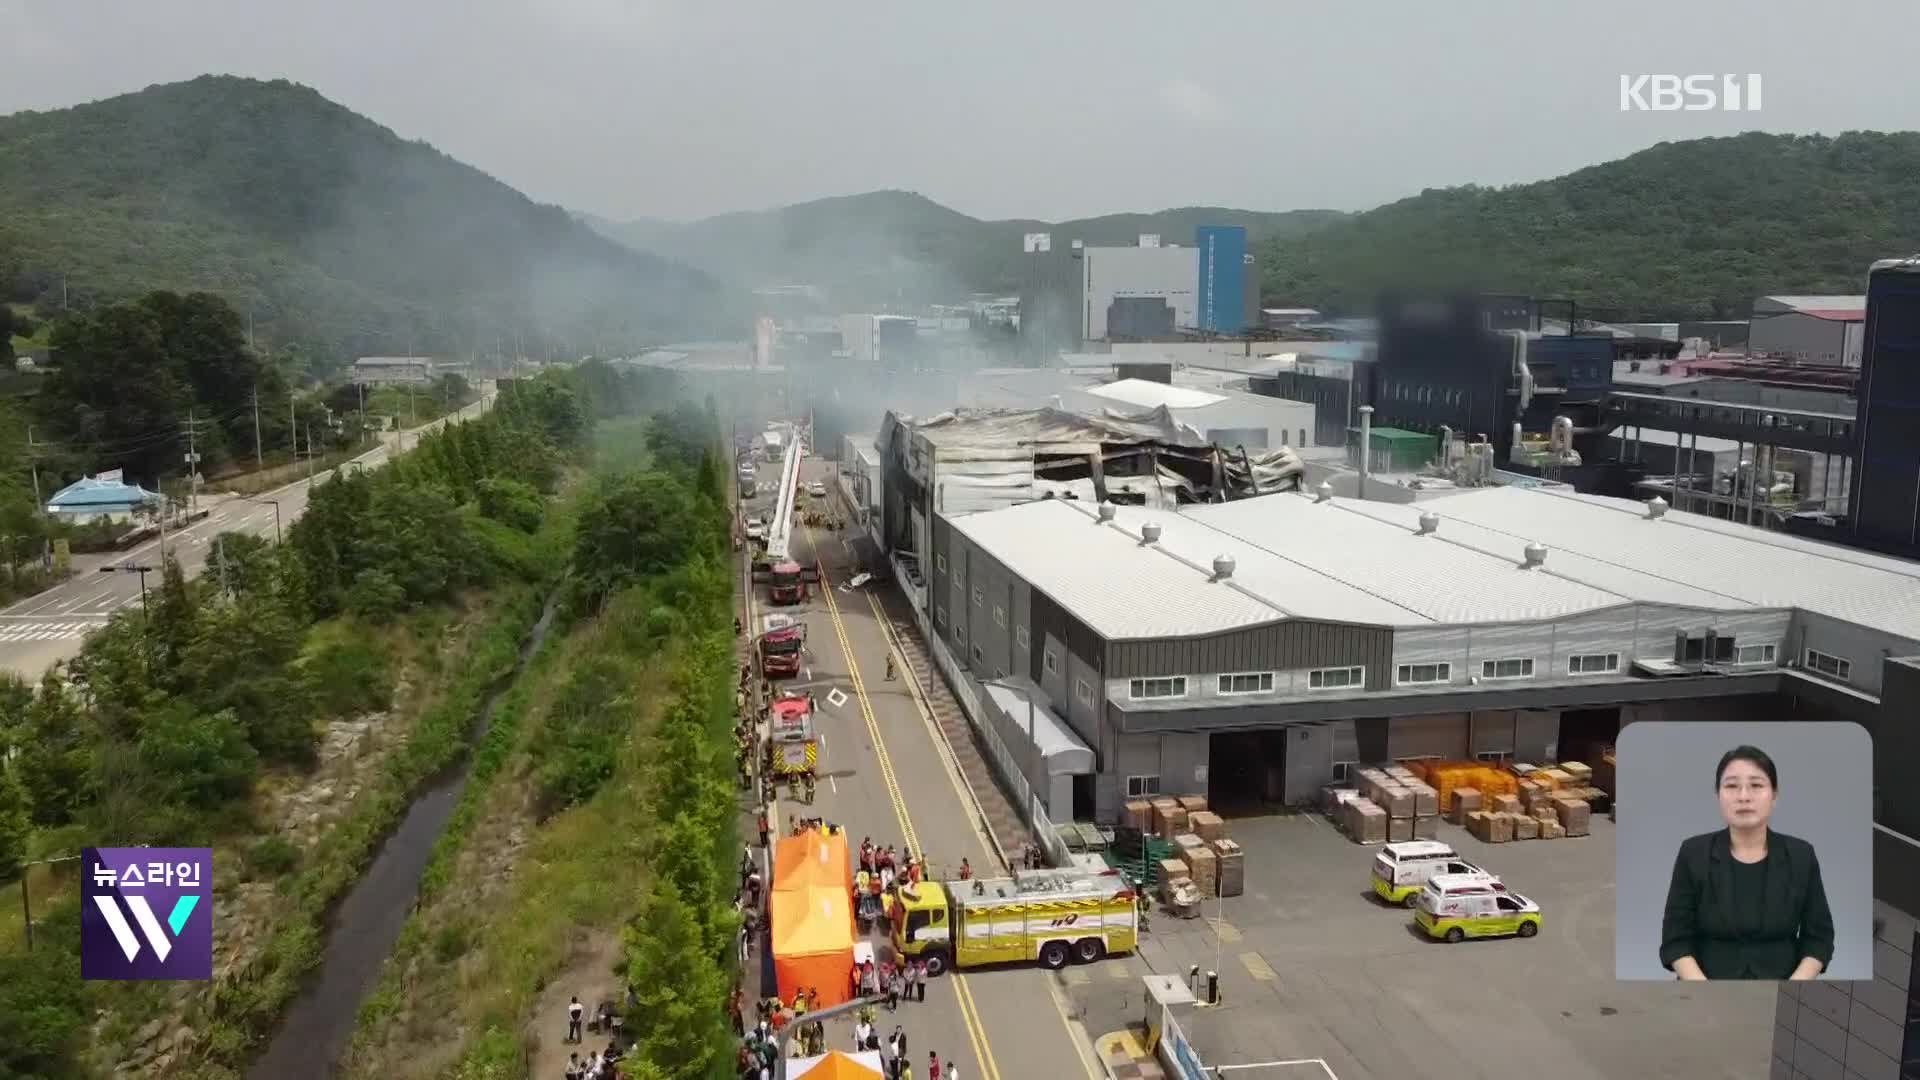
[(1246, 772), (1584, 733), (1492, 737), (1440, 735)]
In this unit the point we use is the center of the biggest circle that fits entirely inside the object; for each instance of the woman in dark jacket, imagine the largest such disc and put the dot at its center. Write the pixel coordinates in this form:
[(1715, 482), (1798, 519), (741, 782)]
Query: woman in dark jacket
[(1746, 902)]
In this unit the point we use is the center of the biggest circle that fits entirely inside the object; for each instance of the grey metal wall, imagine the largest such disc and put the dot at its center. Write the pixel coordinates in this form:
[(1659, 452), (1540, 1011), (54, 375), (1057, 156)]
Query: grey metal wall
[(1051, 620), (1294, 645), (1803, 337), (1645, 631), (1850, 1029), (1861, 647)]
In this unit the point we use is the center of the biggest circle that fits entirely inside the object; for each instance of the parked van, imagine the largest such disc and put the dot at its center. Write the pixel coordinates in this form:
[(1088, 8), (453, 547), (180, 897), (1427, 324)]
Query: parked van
[(1459, 906), (1401, 870)]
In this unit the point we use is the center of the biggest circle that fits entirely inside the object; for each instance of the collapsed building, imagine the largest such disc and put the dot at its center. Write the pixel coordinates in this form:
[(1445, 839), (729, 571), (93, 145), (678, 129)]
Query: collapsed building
[(965, 461)]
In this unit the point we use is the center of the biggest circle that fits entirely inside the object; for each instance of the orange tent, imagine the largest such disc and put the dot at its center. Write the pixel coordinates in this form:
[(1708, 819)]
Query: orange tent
[(812, 916), (864, 1065)]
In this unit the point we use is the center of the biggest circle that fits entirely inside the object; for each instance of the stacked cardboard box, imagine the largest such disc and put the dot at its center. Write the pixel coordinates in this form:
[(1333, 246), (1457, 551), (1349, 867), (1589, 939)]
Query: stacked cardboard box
[(1170, 818), (1581, 774), (1603, 774), (1336, 800), (1365, 822), (1489, 827), (1172, 869), (1575, 815), (1232, 867), (1203, 866), (1140, 815), (1192, 804), (1426, 828), (1466, 801), (1506, 804), (1207, 825), (1552, 830), (1525, 826), (1399, 830)]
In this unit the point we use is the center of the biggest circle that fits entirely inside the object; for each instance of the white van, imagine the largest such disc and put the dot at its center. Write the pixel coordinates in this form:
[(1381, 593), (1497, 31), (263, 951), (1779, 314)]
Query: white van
[(1400, 871), (1455, 908)]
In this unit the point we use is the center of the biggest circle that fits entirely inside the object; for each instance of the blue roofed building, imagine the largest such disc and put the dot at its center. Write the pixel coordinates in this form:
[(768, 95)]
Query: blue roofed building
[(105, 497)]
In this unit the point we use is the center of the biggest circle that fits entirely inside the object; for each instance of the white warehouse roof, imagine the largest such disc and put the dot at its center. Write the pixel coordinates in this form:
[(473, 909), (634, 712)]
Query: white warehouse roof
[(1147, 394), (1365, 562)]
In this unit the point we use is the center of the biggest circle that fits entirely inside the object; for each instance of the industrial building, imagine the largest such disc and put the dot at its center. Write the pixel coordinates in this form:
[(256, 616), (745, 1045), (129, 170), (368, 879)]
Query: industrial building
[(1256, 651), (1884, 502), (1810, 329), (394, 370)]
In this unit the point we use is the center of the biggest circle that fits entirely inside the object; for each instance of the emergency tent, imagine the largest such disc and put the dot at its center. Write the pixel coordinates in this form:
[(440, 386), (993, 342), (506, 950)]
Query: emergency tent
[(838, 1065), (865, 1065), (812, 916)]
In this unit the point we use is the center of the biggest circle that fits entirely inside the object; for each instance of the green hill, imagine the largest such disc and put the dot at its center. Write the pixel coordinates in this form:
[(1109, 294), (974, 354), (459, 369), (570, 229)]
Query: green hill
[(330, 230), (1693, 229), (901, 246)]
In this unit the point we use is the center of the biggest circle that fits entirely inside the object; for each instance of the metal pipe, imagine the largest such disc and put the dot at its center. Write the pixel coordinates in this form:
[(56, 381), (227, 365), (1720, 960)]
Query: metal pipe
[(1366, 447)]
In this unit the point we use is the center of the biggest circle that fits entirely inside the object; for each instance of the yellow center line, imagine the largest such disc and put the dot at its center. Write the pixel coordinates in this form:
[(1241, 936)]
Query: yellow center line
[(969, 1016)]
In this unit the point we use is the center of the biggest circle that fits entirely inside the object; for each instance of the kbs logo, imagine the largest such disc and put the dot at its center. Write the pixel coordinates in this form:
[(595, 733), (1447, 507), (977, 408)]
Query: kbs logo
[(1689, 93), (125, 893)]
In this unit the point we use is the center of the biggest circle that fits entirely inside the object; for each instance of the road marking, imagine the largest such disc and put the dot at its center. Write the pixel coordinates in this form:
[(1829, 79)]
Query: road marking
[(1117, 970), (1077, 977), (1076, 1033), (1227, 931), (1258, 967), (940, 747), (976, 1031)]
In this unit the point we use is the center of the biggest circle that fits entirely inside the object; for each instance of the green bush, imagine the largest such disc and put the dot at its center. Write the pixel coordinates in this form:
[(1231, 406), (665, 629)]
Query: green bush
[(511, 502), (272, 857), (376, 596), (349, 671)]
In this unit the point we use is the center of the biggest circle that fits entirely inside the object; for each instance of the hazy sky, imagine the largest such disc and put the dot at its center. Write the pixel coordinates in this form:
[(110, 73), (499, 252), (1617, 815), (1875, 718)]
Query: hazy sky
[(1050, 109)]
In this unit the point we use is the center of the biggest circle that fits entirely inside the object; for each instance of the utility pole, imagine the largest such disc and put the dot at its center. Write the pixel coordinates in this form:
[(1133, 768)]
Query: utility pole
[(259, 455), (293, 425), (193, 466), (309, 450)]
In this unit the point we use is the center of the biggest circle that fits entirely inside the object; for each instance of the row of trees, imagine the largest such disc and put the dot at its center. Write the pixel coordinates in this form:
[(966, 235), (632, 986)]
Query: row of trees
[(171, 712)]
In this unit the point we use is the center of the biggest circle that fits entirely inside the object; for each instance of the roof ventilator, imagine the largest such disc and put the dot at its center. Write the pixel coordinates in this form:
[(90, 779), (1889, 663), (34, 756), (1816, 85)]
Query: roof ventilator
[(1535, 555), (1106, 513), (1429, 523), (1222, 567), (1324, 492), (1150, 533), (1656, 508)]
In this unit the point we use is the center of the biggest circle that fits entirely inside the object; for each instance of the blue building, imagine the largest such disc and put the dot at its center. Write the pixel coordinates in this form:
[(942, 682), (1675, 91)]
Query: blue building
[(105, 497)]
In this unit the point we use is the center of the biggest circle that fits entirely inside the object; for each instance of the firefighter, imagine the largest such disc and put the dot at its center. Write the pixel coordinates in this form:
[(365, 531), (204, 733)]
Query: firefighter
[(807, 779), (889, 667)]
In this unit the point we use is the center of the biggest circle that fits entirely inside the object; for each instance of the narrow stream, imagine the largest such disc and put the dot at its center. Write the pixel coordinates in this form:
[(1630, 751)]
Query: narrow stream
[(319, 1026)]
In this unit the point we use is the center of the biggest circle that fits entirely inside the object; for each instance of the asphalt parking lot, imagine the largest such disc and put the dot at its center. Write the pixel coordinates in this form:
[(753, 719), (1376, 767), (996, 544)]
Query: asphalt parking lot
[(1312, 965)]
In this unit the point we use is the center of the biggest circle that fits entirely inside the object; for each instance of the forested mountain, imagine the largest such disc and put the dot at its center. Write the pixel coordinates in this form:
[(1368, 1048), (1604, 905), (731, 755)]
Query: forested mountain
[(901, 246), (1692, 229), (325, 228)]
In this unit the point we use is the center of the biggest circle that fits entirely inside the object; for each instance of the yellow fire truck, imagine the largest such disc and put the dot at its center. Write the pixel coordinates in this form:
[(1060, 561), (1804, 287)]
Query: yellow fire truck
[(1052, 916)]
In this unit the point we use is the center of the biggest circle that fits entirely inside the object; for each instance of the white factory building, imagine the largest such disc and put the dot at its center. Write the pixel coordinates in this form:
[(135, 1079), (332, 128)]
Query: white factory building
[(1139, 291)]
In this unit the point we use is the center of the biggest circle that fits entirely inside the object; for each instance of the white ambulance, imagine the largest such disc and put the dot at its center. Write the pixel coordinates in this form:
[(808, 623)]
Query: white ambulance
[(1401, 870)]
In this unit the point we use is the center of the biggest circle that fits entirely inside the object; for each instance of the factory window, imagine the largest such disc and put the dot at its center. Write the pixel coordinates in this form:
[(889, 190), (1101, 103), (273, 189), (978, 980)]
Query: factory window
[(1249, 682), (1336, 678), (978, 596), (959, 578), (1343, 771), (1155, 688), (1593, 663), (1753, 654), (940, 563), (979, 657), (1832, 666), (1497, 757), (940, 615), (1140, 787), (1049, 661), (999, 616), (1083, 691), (1424, 674), (1303, 438), (960, 633), (1695, 651), (1520, 668), (1020, 635)]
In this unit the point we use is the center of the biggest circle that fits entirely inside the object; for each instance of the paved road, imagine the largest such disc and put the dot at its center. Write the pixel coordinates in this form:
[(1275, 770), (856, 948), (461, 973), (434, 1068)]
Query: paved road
[(886, 776), (44, 629)]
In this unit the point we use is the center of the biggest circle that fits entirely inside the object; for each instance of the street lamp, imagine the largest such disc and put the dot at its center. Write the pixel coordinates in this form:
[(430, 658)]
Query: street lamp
[(133, 568), (275, 503)]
